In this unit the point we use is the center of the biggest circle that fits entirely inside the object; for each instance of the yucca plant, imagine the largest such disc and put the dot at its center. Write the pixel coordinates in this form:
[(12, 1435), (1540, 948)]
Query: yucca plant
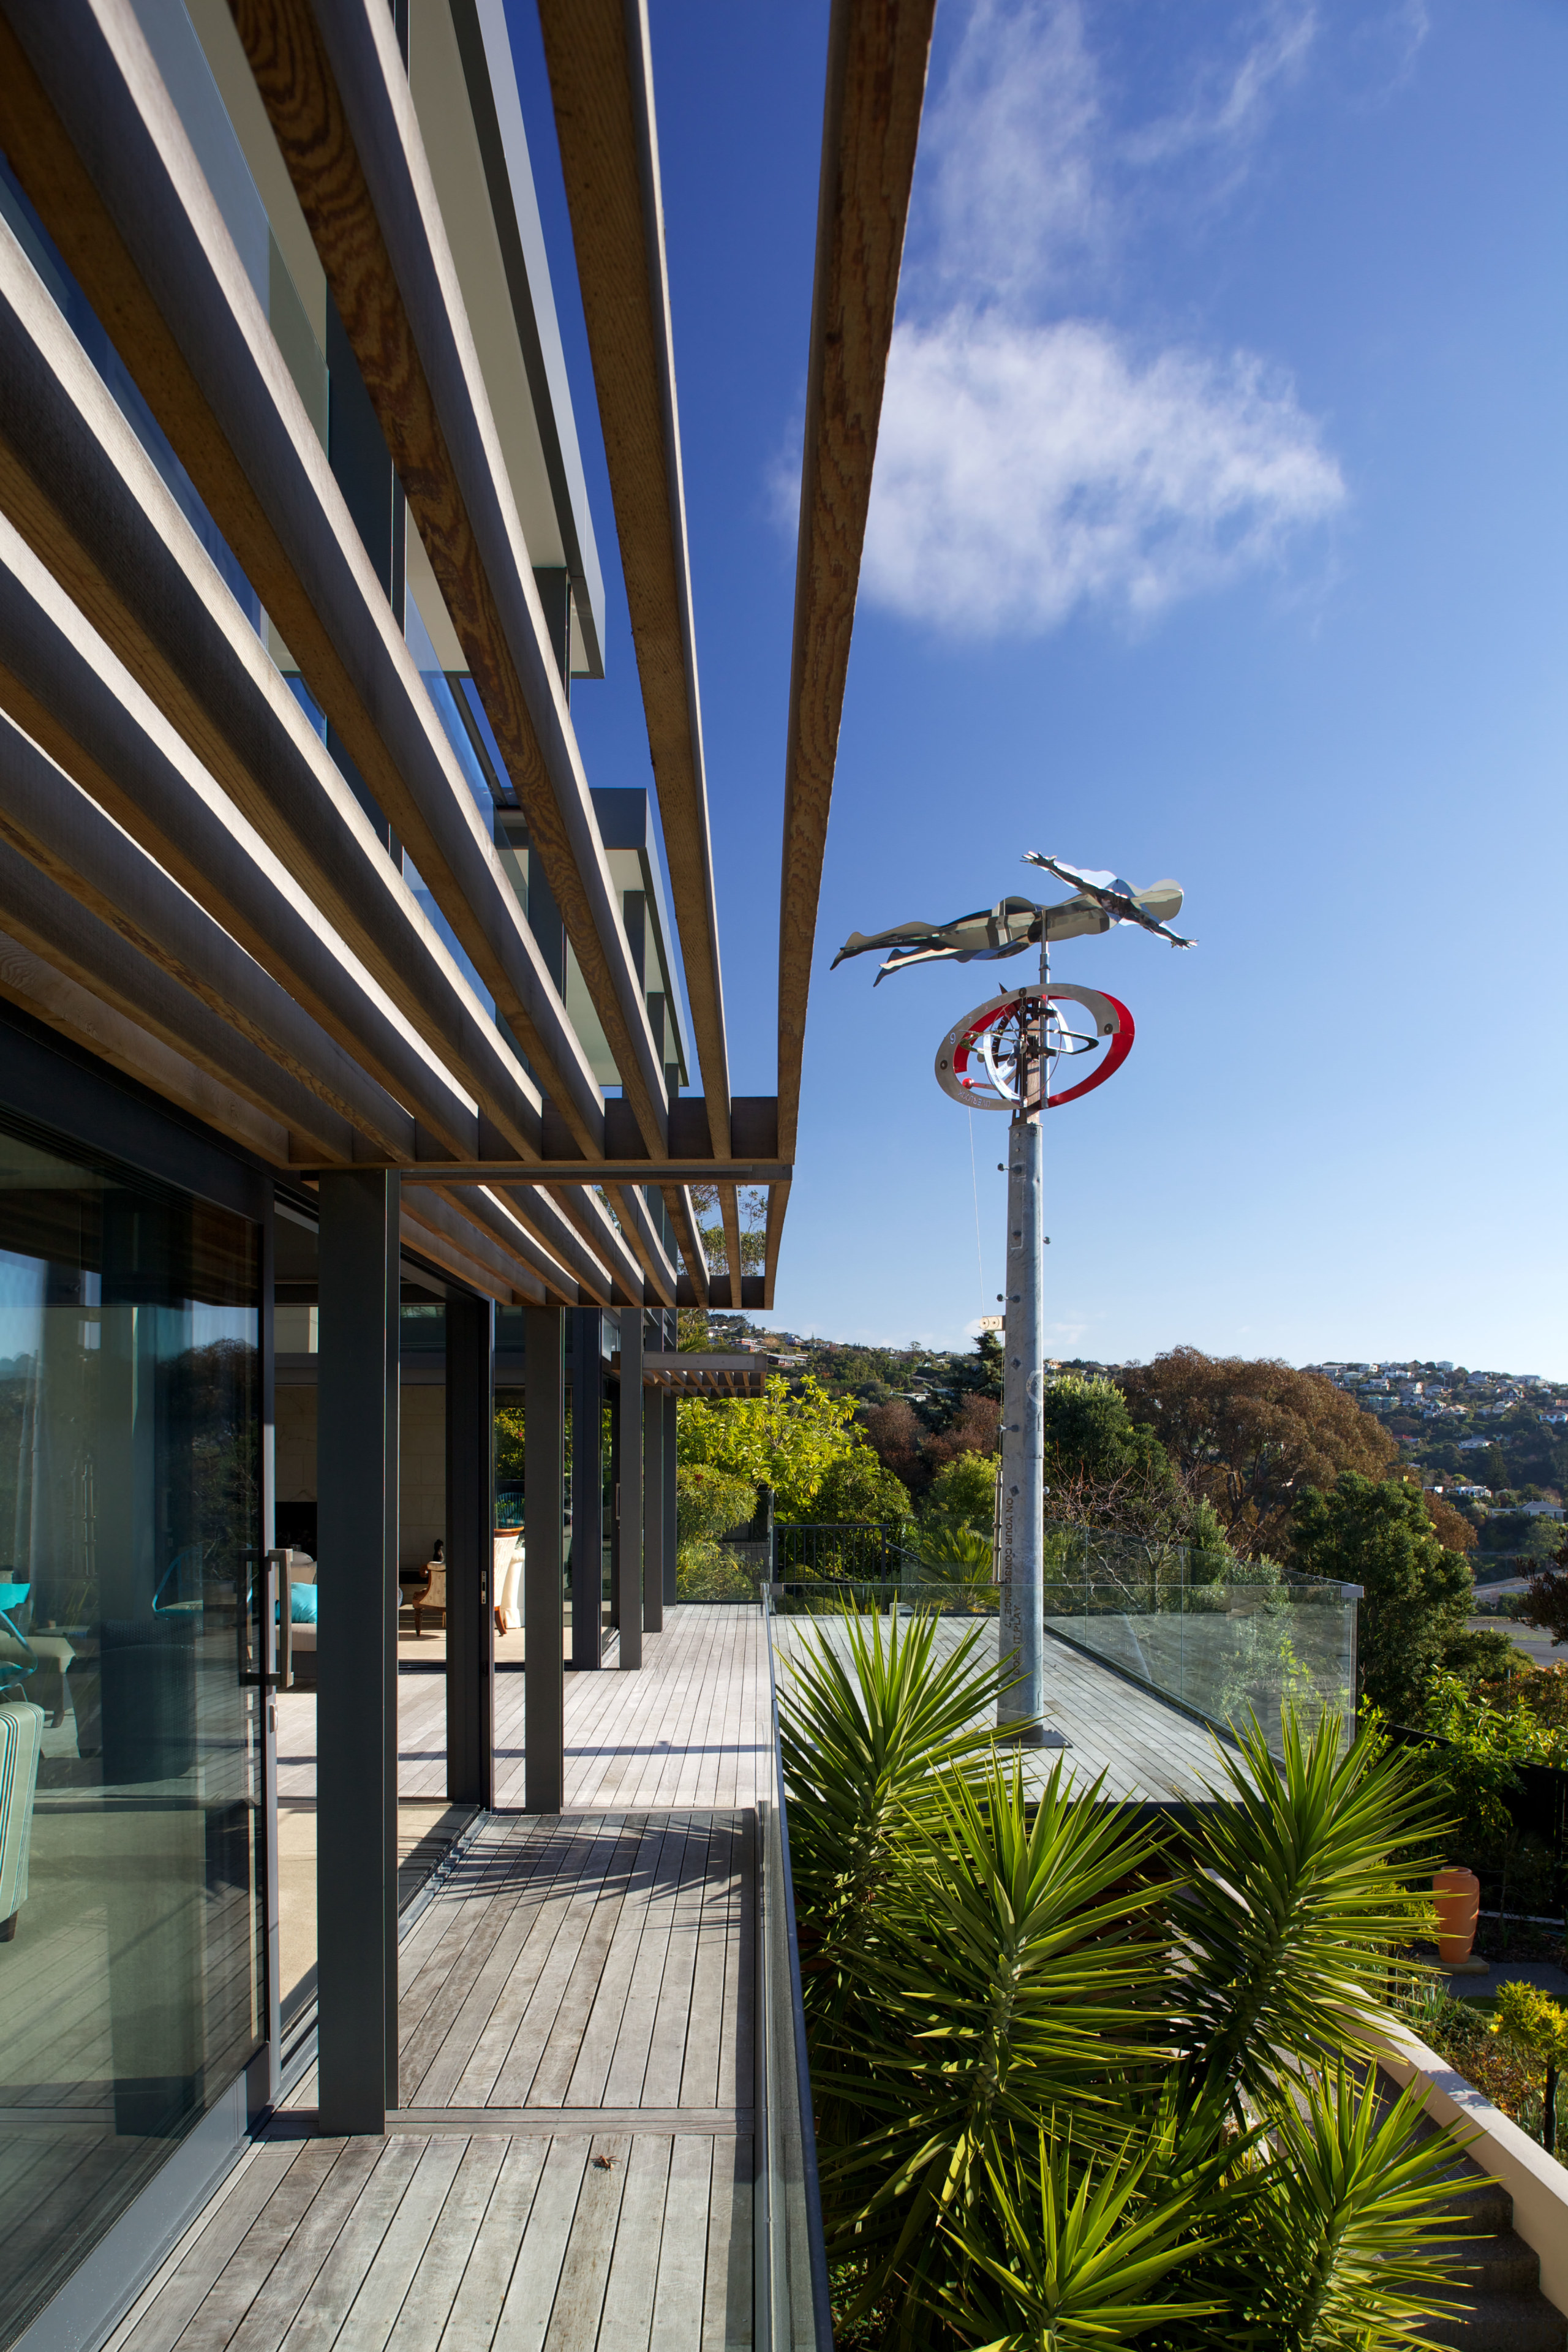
[(956, 1552), (1004, 1982), (1071, 2257), (1010, 1974), (1339, 2248), (1292, 1914), (868, 1719)]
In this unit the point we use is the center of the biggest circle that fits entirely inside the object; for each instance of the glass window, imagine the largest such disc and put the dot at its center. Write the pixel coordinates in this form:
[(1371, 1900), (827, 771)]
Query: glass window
[(130, 1927)]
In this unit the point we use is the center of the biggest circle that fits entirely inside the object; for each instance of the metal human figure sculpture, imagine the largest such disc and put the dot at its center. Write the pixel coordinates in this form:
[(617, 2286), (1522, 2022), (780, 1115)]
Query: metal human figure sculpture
[(999, 1057), (990, 933)]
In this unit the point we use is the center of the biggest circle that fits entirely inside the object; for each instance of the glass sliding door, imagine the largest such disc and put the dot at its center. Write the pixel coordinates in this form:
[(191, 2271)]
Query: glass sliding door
[(131, 1944)]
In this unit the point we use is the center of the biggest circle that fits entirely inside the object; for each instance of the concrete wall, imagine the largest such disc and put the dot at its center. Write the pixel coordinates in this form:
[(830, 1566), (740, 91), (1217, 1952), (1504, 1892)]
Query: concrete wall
[(422, 1488)]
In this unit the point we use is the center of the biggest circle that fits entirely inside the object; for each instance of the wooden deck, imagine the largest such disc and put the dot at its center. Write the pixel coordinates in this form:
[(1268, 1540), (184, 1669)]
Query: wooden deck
[(571, 2164), (570, 2169)]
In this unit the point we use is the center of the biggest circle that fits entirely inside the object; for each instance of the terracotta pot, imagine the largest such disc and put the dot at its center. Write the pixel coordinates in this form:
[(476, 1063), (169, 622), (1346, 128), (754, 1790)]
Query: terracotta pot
[(1456, 1896)]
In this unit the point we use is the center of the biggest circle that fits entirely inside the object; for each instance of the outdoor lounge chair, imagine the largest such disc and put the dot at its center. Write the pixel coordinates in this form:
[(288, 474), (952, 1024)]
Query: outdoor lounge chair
[(21, 1739)]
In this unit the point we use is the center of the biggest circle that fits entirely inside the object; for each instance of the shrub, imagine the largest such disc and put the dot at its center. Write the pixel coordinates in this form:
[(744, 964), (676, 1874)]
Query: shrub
[(1065, 2095)]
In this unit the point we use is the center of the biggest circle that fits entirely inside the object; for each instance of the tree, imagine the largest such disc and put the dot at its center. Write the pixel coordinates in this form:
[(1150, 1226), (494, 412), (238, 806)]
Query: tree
[(915, 1452), (1102, 1470), (859, 1490), (1545, 1600), (787, 1441), (897, 1438), (966, 1489), (1450, 1527), (1377, 1533), (982, 1371), (1250, 1434), (753, 1203)]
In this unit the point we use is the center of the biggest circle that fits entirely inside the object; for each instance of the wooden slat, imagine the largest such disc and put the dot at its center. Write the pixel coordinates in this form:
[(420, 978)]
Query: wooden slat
[(80, 492), (646, 1246), (107, 164), (778, 1203), (878, 52), (502, 1229), (683, 1216), (601, 77), (57, 928), (531, 2298), (26, 979), (337, 95), (70, 842), (477, 2307), (631, 2273), (683, 2249)]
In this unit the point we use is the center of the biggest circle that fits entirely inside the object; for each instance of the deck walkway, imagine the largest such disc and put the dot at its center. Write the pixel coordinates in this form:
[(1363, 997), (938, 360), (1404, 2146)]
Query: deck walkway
[(570, 2169), (570, 2165)]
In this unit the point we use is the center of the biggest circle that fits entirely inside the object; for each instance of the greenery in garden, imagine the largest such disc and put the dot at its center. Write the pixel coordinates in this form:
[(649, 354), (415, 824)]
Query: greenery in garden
[(1532, 2022), (1077, 2085), (800, 1442), (1470, 1759), (1377, 1533)]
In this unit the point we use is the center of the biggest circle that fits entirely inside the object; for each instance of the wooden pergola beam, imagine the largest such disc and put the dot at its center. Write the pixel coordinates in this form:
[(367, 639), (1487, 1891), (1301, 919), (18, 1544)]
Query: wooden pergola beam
[(337, 98), (877, 54), (70, 840), (778, 1203), (61, 689), (729, 1211), (647, 1247), (141, 236), (500, 1227), (683, 1217), (63, 1004), (541, 1217), (601, 78), (82, 494), (51, 924), (434, 1227)]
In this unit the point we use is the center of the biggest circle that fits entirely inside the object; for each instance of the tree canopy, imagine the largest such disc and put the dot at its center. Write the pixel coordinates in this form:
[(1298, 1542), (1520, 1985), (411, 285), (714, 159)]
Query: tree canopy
[(1251, 1435), (1377, 1533), (789, 1441)]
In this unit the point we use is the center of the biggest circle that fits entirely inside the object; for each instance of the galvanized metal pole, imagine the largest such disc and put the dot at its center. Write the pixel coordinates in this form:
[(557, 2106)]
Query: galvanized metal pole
[(1021, 1518)]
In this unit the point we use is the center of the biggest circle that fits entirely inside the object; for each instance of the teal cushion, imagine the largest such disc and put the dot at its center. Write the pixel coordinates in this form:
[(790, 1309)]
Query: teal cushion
[(301, 1604), (13, 1595)]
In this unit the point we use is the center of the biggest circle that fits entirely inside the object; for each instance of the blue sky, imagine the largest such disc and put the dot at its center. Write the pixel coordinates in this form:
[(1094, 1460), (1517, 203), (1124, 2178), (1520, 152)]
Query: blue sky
[(1220, 532)]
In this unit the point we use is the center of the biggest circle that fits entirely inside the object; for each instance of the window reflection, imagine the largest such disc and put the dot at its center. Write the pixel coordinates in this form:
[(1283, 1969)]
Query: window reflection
[(131, 1983)]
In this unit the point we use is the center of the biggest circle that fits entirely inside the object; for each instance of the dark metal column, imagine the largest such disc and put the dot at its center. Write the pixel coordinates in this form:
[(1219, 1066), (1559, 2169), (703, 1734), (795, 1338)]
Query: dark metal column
[(268, 2075), (470, 1551), (628, 1516), (544, 1479), (588, 1485), (356, 1701), (653, 1510), (671, 1527)]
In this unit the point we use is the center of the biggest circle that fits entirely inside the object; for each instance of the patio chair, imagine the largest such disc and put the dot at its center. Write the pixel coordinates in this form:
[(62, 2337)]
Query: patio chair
[(509, 1550), (21, 1739)]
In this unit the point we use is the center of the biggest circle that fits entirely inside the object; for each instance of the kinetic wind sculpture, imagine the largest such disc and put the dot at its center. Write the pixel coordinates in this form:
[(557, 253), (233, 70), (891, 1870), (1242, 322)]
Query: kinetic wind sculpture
[(1000, 1056)]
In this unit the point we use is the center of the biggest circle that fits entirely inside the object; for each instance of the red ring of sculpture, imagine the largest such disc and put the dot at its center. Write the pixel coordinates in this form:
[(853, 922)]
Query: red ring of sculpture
[(1094, 999)]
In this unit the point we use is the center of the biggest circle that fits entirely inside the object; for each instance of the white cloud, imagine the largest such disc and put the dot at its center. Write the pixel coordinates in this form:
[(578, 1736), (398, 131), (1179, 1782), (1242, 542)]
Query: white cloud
[(1024, 470), (1232, 100), (1030, 463), (1016, 195)]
